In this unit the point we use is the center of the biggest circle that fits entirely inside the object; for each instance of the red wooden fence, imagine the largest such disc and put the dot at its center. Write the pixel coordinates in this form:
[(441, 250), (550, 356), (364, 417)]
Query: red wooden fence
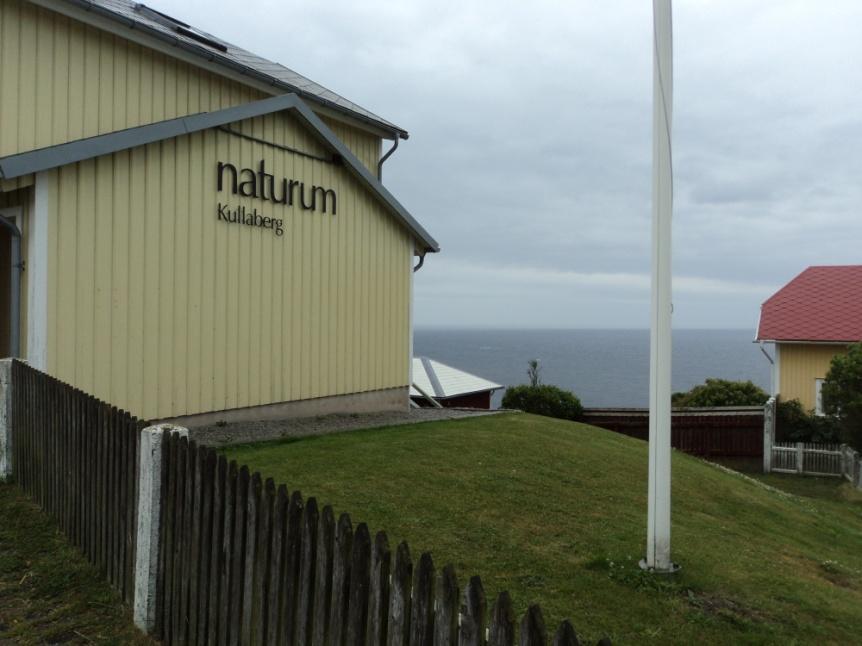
[(715, 432)]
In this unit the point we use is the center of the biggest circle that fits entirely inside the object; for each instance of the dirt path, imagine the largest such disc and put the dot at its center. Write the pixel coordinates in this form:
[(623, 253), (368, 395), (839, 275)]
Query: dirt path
[(246, 432)]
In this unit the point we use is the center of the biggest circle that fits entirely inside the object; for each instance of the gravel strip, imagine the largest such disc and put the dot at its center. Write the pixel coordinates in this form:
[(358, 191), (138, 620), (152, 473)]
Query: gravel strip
[(247, 432)]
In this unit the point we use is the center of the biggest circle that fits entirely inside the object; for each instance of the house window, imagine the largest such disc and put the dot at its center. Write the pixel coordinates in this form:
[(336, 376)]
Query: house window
[(818, 397)]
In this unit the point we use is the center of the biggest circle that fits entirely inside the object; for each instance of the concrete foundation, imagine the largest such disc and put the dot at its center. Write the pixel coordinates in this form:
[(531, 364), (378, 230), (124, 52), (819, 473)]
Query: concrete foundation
[(375, 401)]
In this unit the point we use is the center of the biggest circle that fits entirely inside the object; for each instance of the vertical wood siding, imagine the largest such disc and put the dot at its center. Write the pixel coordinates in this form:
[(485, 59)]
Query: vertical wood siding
[(160, 308), (366, 146), (61, 80), (800, 365)]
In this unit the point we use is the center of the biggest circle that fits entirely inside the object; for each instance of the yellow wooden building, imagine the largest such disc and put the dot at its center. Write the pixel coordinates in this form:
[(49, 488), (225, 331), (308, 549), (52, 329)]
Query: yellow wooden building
[(203, 234), (810, 320)]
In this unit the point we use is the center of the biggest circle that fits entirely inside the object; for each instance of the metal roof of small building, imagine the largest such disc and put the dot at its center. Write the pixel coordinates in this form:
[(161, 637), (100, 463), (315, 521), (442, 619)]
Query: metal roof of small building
[(822, 304), (442, 381), (147, 19)]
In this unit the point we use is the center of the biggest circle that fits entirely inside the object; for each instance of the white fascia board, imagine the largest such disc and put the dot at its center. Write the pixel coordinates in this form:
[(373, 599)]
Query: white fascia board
[(37, 275), (799, 342)]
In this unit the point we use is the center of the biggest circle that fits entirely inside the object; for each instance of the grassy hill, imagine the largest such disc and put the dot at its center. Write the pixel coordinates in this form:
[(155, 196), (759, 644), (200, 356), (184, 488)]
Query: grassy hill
[(555, 512)]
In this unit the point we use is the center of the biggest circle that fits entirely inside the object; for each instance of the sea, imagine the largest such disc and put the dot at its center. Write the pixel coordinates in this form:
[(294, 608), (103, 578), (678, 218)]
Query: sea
[(604, 368)]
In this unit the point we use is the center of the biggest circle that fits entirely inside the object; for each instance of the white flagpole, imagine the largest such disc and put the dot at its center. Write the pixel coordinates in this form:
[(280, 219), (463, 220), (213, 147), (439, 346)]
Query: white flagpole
[(658, 516)]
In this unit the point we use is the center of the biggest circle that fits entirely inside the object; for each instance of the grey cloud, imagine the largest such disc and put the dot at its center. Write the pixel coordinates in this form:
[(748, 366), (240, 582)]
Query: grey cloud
[(531, 141)]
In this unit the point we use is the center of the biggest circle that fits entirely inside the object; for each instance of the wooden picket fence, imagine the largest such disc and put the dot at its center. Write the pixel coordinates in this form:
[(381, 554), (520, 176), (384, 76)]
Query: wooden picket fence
[(76, 457), (241, 561), (246, 562)]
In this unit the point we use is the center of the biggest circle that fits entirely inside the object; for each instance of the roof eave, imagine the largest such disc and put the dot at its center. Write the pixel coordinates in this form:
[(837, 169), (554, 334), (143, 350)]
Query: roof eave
[(803, 341)]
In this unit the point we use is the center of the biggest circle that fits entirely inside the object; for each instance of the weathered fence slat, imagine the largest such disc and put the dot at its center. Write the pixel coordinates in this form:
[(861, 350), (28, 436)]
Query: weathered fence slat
[(195, 547), (119, 523), (130, 432), (237, 557), (446, 615), (207, 538), (360, 574), (263, 558), (565, 635), (472, 631), (290, 557), (400, 598), (251, 544), (502, 628), (226, 567), (187, 528), (378, 602), (533, 631), (216, 541), (307, 572), (276, 565), (422, 615), (340, 580), (323, 577), (163, 578)]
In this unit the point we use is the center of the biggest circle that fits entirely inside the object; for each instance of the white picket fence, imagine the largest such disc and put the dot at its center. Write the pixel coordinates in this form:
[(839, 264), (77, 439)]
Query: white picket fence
[(851, 465), (807, 458)]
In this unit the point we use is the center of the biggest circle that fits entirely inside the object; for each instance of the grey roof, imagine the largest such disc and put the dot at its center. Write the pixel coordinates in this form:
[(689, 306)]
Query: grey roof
[(151, 21), (35, 161)]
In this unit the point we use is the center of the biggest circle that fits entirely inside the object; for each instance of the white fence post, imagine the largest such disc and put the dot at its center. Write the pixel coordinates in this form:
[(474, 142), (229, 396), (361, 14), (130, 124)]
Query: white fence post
[(149, 515), (5, 419), (800, 456), (768, 433)]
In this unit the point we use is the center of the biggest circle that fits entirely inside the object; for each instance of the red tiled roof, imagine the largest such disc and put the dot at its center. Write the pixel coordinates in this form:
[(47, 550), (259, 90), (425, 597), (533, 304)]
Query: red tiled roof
[(820, 304)]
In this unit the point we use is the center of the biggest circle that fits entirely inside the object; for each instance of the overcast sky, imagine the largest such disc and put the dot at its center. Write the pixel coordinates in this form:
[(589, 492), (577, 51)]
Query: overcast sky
[(530, 144)]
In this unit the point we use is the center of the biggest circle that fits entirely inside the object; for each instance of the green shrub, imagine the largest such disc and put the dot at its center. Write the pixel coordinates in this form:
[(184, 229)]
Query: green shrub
[(794, 424), (544, 400), (842, 394), (721, 392)]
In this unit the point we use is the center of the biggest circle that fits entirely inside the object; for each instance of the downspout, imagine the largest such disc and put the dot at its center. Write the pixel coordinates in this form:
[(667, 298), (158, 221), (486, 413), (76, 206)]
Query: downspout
[(421, 262), (772, 371), (766, 354), (387, 156), (15, 292)]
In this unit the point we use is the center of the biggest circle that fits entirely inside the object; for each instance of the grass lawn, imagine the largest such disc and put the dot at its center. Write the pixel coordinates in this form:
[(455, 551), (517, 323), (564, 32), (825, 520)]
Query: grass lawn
[(48, 593), (555, 512)]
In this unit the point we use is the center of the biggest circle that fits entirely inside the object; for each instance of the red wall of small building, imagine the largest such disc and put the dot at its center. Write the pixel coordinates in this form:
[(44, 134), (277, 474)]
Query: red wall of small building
[(473, 400)]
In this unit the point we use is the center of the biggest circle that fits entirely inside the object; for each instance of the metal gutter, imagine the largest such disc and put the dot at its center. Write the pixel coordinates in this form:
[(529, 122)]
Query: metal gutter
[(244, 70)]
